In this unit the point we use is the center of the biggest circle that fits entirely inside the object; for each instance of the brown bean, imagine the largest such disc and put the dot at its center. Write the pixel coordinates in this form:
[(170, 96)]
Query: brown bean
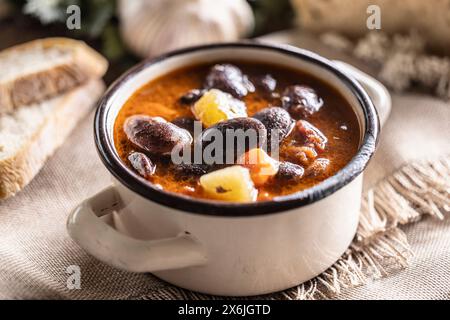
[(191, 96), (318, 168), (266, 82), (229, 78), (275, 118), (155, 135), (142, 164), (191, 170), (242, 134), (289, 172), (301, 101)]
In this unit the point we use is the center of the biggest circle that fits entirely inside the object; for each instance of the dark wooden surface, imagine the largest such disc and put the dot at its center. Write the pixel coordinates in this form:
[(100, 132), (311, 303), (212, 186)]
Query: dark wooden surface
[(19, 29)]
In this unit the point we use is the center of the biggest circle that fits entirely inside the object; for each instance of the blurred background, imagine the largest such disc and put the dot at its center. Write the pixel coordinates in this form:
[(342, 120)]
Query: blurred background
[(24, 20), (405, 42)]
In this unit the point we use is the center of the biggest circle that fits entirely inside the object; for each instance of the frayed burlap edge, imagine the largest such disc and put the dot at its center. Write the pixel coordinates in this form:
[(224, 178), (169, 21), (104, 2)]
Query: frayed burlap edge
[(380, 248)]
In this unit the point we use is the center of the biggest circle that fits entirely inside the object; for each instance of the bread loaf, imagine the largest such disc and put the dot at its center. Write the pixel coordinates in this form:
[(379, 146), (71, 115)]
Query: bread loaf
[(41, 69), (30, 135)]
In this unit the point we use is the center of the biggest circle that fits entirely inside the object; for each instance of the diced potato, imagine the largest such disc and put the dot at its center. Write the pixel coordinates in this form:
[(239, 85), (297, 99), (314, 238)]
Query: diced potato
[(229, 184), (260, 164), (215, 106)]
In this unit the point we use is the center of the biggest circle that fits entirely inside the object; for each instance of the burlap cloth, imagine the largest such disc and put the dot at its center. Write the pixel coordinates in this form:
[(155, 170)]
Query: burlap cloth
[(35, 250)]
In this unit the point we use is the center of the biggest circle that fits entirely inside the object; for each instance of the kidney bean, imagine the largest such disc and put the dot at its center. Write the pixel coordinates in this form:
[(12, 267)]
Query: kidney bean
[(142, 164), (192, 96), (318, 168), (289, 172), (266, 82), (229, 78), (245, 134), (301, 101), (191, 169), (185, 123), (275, 118), (155, 135)]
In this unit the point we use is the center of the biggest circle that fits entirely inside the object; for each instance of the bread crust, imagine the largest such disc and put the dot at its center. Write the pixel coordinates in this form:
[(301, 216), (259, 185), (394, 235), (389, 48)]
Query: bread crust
[(17, 171), (84, 64)]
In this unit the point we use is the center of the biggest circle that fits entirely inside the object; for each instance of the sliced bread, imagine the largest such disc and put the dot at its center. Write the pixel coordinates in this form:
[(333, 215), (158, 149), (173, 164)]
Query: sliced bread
[(30, 135), (41, 69)]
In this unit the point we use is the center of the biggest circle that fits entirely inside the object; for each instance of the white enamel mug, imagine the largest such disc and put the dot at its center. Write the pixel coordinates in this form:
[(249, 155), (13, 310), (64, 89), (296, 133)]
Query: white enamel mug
[(225, 248)]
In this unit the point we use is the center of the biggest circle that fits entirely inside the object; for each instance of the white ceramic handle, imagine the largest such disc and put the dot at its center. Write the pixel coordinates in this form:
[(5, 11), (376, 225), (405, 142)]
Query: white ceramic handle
[(377, 91), (108, 245)]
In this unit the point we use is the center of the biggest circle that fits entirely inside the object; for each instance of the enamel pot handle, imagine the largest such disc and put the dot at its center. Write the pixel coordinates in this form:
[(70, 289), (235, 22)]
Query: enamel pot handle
[(108, 245)]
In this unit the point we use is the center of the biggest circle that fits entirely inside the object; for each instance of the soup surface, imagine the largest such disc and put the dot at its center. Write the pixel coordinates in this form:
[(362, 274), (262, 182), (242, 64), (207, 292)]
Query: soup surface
[(319, 130)]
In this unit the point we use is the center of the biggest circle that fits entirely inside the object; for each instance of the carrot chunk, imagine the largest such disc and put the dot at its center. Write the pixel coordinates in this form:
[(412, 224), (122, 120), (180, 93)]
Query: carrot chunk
[(260, 164)]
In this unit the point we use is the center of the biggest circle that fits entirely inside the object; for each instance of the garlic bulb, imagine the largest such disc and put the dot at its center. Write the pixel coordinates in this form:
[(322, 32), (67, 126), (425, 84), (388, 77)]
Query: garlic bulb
[(152, 27)]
